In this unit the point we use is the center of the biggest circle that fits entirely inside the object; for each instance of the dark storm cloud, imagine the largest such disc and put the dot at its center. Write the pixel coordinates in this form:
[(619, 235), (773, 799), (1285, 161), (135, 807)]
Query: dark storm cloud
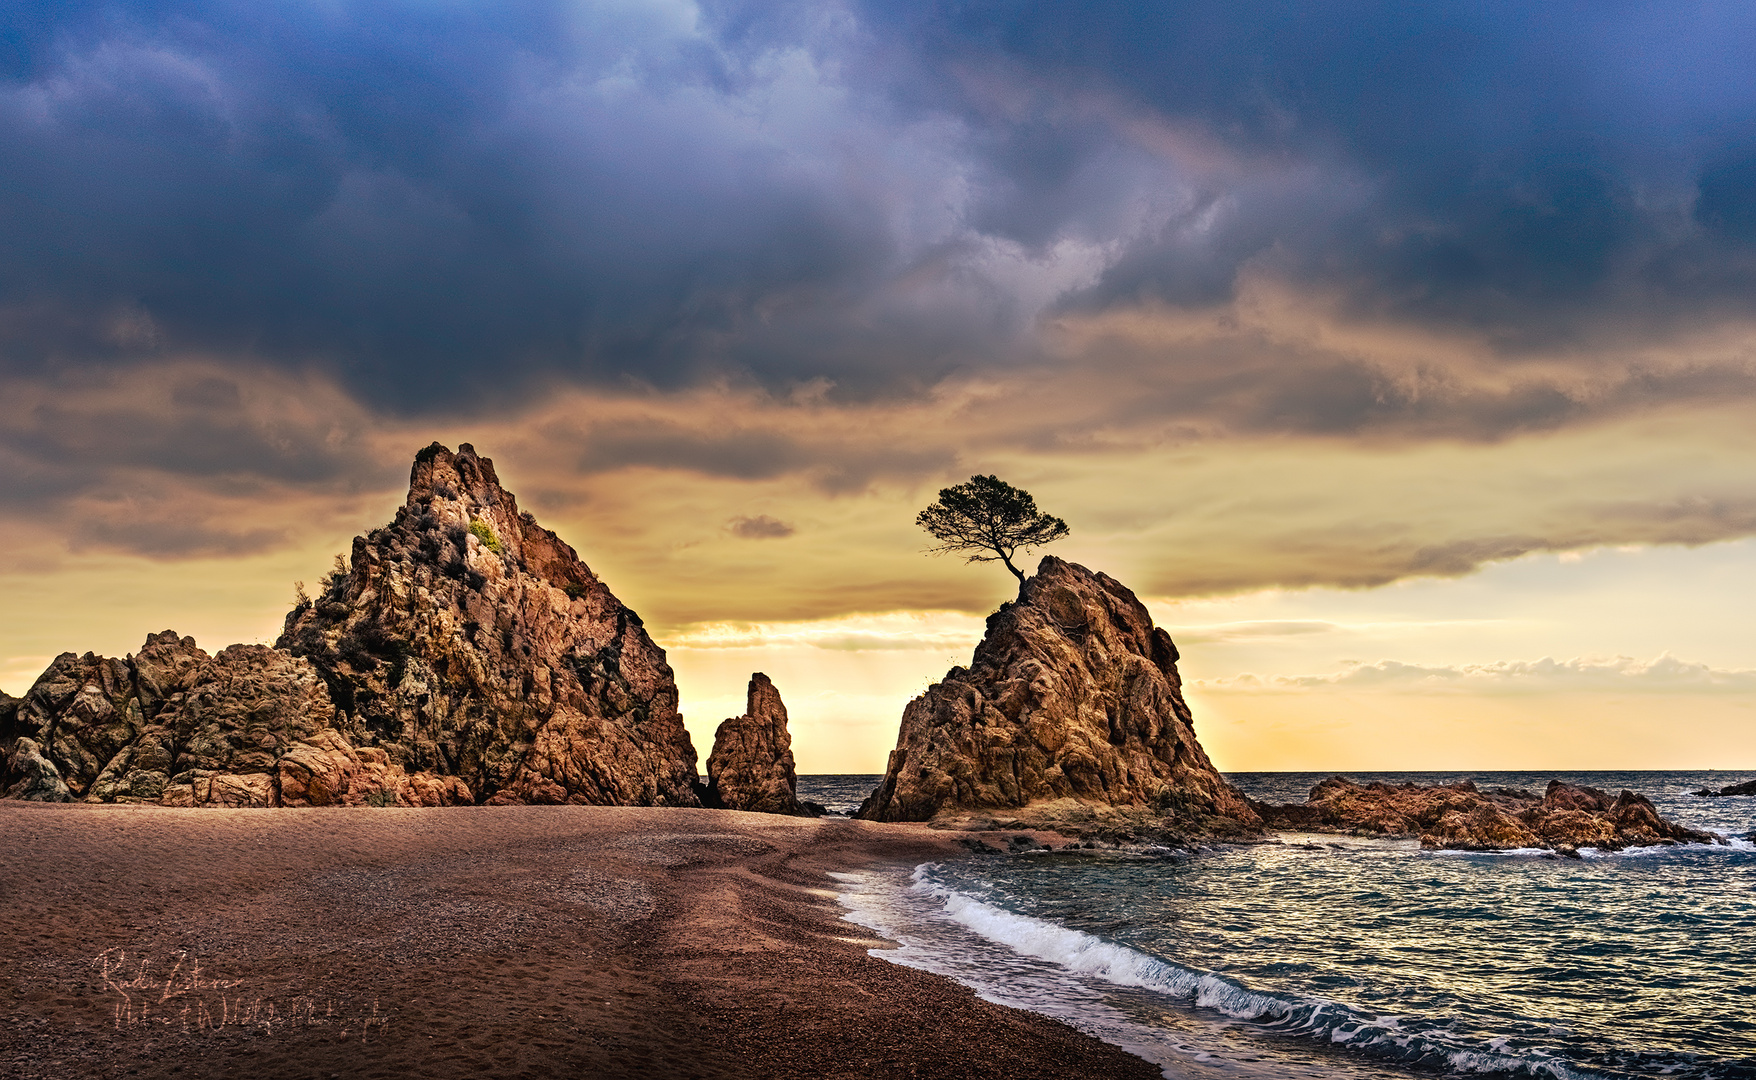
[(1529, 169), (183, 462), (449, 206), (435, 201)]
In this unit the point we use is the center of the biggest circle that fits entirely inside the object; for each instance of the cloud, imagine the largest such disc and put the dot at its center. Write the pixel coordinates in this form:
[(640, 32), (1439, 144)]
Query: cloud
[(1243, 631), (918, 631), (456, 207), (184, 460), (1663, 674), (760, 527), (1252, 298)]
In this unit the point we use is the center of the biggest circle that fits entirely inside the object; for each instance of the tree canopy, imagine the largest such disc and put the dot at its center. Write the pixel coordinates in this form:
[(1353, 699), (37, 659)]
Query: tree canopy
[(989, 520)]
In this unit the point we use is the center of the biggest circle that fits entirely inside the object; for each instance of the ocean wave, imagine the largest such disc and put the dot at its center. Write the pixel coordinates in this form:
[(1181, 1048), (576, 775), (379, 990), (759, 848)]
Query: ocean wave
[(1724, 847), (1084, 956)]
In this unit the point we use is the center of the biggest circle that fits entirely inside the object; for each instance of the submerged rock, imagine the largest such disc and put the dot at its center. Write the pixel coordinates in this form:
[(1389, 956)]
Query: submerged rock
[(1746, 788), (1462, 817), (1072, 706), (751, 767), (466, 654)]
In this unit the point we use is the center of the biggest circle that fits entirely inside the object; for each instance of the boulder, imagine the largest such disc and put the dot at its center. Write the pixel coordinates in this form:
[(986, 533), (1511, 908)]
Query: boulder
[(85, 712), (751, 767), (1459, 816), (1072, 702), (32, 776)]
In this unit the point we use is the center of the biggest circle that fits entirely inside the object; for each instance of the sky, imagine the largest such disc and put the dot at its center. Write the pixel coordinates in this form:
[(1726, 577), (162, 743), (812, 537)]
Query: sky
[(1400, 356)]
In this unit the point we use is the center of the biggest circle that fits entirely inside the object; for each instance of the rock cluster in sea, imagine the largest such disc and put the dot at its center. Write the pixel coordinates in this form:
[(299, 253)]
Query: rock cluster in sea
[(751, 767), (1460, 816), (1746, 788), (1070, 716), (463, 654)]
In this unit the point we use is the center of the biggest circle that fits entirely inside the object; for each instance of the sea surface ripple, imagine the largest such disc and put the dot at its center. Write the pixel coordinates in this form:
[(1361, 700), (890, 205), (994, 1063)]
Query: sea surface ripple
[(1325, 956)]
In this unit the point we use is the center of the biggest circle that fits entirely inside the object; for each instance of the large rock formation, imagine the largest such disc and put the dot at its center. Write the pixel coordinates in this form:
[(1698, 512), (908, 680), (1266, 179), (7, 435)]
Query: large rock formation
[(466, 640), (465, 655), (1461, 817), (1073, 695), (751, 767)]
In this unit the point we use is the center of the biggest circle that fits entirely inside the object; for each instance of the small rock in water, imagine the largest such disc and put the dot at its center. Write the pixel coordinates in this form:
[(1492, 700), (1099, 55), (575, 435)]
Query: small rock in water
[(1747, 788), (1458, 816)]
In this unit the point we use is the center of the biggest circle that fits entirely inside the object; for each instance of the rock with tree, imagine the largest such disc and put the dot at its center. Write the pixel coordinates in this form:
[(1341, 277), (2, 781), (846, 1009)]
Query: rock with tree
[(751, 767), (1070, 716), (989, 520), (463, 654)]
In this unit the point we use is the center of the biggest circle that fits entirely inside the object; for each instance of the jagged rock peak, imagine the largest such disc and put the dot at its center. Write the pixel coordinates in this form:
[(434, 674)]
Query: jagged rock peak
[(464, 639), (465, 653), (1073, 694), (751, 767)]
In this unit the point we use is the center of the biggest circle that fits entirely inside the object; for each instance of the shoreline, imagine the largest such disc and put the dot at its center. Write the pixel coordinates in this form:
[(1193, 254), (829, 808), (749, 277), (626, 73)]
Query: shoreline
[(471, 941)]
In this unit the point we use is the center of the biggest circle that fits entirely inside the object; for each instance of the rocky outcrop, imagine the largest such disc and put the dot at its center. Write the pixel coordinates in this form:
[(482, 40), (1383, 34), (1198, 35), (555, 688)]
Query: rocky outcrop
[(84, 712), (174, 726), (1746, 788), (1072, 701), (751, 767), (1462, 817), (465, 640), (465, 655)]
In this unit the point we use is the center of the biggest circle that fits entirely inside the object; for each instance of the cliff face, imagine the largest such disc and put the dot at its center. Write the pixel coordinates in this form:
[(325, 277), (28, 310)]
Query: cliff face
[(466, 640), (1072, 694), (465, 655), (751, 767)]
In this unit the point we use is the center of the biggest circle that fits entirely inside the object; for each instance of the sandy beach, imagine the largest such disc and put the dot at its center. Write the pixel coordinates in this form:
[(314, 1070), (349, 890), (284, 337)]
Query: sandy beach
[(476, 942)]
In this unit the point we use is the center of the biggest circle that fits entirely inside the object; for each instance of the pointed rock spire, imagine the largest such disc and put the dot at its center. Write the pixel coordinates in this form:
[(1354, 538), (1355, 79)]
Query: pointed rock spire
[(751, 767)]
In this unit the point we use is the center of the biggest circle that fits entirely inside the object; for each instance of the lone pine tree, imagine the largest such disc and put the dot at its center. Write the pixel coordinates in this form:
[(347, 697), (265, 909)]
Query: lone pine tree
[(988, 520)]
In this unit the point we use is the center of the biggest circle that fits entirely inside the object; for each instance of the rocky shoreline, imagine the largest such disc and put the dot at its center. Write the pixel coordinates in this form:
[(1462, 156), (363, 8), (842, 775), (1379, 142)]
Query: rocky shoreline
[(465, 655)]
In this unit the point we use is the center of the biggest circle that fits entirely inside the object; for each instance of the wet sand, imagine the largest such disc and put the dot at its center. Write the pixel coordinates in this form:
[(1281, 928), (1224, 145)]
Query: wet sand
[(475, 942)]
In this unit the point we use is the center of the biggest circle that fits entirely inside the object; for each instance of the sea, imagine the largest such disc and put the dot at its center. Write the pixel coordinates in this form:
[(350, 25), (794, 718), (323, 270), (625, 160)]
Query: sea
[(1337, 956)]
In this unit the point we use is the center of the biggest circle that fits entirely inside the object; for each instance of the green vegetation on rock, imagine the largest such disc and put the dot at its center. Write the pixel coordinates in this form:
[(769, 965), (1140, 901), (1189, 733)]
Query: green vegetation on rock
[(485, 533)]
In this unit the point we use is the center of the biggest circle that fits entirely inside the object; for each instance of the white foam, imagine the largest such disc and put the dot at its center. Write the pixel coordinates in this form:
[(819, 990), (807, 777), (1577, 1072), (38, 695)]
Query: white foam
[(1085, 956), (1723, 847)]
